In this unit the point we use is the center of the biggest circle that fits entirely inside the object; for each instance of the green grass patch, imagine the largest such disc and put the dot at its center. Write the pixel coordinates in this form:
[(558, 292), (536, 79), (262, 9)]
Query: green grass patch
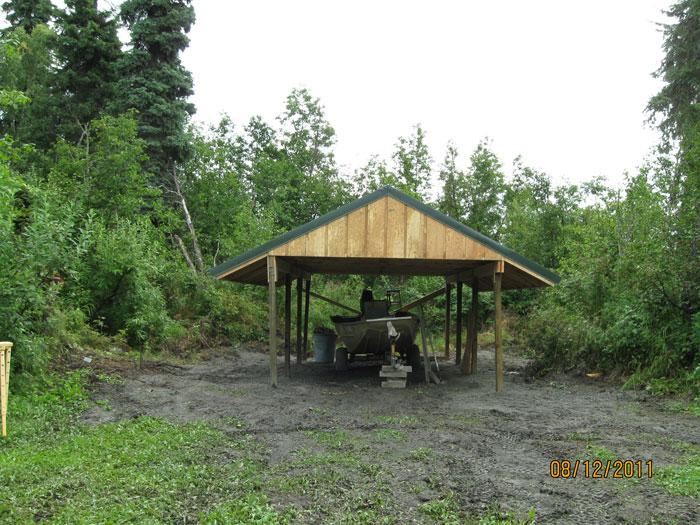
[(682, 478), (400, 420), (421, 454), (336, 439), (599, 452), (575, 436), (389, 434), (443, 510), (252, 508), (692, 408)]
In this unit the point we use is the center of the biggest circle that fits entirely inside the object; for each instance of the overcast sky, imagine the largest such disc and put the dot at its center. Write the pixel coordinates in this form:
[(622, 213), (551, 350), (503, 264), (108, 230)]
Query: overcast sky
[(562, 83)]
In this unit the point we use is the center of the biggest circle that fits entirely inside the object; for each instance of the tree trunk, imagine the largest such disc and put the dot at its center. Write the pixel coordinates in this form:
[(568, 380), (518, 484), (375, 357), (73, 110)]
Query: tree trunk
[(190, 226)]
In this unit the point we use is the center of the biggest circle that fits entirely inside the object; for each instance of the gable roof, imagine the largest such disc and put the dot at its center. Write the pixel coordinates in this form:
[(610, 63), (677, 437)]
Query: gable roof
[(345, 264)]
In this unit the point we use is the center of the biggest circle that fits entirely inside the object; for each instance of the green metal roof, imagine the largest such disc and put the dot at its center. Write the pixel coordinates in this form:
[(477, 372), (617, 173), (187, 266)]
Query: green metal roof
[(364, 201)]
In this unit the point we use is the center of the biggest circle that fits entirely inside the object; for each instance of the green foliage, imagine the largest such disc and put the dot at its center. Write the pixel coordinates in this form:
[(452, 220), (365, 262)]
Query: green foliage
[(410, 173), (87, 51), (26, 68), (443, 510), (153, 81), (28, 14), (677, 103)]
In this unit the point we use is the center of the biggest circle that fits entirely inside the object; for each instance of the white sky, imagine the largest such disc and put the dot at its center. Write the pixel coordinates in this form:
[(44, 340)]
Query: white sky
[(562, 83)]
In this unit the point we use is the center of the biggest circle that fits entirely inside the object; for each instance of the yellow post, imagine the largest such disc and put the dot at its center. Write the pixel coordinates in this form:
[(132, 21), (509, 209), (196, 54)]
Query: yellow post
[(5, 354)]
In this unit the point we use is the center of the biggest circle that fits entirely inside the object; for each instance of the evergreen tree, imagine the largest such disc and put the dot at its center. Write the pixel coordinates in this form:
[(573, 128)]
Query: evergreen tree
[(27, 14), (154, 82), (87, 50), (678, 103)]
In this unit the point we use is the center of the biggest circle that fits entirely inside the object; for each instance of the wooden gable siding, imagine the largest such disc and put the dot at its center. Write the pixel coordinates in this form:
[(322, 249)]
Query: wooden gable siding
[(386, 228)]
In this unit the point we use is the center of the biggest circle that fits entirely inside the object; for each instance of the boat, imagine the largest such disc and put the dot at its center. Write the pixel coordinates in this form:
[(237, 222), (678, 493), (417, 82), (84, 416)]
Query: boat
[(367, 334)]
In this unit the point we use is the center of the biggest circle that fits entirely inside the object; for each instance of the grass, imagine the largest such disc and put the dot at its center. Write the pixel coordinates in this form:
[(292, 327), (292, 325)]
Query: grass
[(421, 454), (692, 408), (142, 470), (682, 478)]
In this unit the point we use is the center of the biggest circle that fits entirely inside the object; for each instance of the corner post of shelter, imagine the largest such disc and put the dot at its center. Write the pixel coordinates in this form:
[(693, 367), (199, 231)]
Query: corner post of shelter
[(300, 282), (498, 325), (458, 327), (475, 312), (271, 283), (448, 300), (468, 363), (287, 324), (306, 318)]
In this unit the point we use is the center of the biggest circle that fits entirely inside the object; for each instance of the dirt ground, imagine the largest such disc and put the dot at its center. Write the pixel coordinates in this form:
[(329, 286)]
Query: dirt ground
[(482, 446)]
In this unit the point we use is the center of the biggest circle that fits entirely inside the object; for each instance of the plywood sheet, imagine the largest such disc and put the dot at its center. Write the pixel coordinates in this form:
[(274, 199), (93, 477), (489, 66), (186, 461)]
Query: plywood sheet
[(435, 239), (316, 246), (376, 228), (357, 232), (396, 228), (415, 233), (454, 244), (337, 238)]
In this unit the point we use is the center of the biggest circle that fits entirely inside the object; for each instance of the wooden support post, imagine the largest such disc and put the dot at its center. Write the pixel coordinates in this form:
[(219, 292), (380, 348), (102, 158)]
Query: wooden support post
[(300, 283), (306, 320), (475, 311), (287, 324), (271, 278), (5, 355), (458, 328), (498, 330), (448, 301), (466, 367)]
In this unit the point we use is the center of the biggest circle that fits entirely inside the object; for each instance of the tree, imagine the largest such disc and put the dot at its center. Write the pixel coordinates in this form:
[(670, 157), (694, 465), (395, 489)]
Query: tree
[(154, 82), (31, 72), (452, 201), (677, 105), (88, 49), (479, 193), (412, 163), (27, 14)]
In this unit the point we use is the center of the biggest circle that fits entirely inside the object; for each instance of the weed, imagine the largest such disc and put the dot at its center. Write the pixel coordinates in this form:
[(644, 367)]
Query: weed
[(401, 420), (421, 454), (252, 508), (683, 478), (388, 434), (443, 510), (104, 404), (338, 439), (498, 516), (690, 408), (575, 436), (110, 379), (599, 452)]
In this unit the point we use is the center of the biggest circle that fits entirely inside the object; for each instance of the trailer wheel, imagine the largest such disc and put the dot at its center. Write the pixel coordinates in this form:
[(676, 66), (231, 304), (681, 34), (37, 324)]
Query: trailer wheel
[(341, 359), (413, 357)]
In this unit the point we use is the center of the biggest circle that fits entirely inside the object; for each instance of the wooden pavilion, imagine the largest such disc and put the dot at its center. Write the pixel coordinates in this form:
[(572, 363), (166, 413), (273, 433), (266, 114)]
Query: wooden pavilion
[(386, 233)]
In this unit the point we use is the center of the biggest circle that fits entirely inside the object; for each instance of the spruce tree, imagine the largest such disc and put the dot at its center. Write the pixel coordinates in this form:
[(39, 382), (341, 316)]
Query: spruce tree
[(154, 82), (27, 14), (87, 50)]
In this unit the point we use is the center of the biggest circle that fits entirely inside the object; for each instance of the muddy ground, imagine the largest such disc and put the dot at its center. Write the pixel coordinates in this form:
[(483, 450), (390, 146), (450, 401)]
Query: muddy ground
[(428, 441)]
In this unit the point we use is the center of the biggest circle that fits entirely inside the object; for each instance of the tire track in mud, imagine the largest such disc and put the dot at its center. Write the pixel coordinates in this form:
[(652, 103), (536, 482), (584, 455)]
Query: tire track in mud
[(484, 447)]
